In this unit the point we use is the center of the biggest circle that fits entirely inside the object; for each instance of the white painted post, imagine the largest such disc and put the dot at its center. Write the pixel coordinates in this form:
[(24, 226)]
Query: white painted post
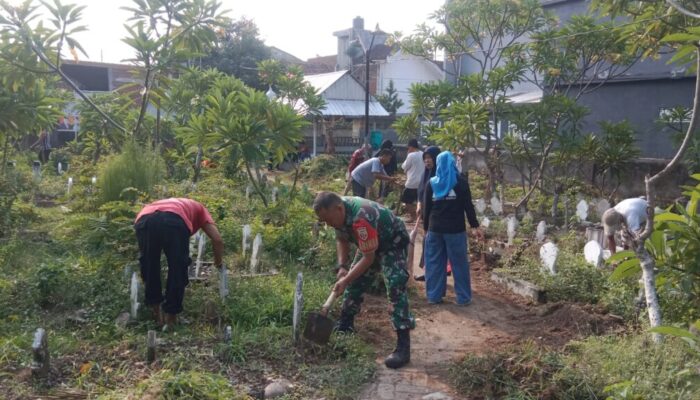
[(69, 185), (298, 306), (246, 238), (151, 344), (511, 227), (40, 354), (257, 244), (200, 253), (223, 282), (134, 288), (541, 231)]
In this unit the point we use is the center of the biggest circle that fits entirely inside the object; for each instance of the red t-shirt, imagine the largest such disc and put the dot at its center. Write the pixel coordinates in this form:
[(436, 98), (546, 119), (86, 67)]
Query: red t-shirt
[(358, 156), (193, 213)]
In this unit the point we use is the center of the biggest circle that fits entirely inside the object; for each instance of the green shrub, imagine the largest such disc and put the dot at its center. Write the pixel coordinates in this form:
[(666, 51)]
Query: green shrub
[(168, 385), (325, 165), (138, 168)]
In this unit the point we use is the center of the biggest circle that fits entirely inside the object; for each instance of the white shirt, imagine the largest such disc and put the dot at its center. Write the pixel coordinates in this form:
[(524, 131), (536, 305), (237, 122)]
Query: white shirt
[(635, 212), (414, 169)]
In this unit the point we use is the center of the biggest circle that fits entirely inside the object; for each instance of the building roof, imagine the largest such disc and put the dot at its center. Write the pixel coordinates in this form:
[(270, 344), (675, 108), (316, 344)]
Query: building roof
[(320, 65), (282, 55), (349, 107), (534, 96)]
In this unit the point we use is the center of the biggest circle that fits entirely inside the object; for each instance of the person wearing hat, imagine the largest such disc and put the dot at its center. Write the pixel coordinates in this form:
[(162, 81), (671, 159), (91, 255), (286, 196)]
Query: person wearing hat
[(628, 217), (414, 168)]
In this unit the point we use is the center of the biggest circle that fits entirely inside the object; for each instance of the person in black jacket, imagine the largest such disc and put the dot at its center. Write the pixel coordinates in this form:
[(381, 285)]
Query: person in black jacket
[(447, 199)]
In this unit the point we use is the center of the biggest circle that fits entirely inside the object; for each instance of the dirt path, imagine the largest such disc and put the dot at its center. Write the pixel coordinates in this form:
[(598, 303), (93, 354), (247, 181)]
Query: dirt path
[(447, 332)]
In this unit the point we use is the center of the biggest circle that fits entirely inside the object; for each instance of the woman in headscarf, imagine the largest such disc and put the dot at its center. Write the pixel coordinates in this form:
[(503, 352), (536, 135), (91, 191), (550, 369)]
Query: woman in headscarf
[(390, 168), (447, 199), (429, 156)]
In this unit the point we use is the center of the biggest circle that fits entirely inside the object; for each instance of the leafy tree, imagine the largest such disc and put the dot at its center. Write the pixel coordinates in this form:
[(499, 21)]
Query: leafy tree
[(237, 51), (677, 120), (390, 100), (615, 148)]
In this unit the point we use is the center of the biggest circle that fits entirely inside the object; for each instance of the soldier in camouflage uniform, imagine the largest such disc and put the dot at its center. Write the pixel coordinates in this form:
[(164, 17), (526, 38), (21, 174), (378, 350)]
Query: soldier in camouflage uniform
[(382, 242)]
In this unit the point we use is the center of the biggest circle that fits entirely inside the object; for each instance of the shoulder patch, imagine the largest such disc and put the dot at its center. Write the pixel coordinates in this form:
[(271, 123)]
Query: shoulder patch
[(366, 236)]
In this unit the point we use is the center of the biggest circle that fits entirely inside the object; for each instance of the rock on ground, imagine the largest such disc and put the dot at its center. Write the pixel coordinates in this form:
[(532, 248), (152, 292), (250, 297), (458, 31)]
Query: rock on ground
[(278, 388)]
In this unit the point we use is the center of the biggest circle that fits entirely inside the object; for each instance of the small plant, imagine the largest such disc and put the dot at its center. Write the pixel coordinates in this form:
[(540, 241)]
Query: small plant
[(135, 167)]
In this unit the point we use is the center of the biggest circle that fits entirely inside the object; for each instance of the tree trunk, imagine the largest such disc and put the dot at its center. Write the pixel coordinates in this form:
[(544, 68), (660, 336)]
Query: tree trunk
[(653, 308), (257, 188), (328, 134), (4, 152)]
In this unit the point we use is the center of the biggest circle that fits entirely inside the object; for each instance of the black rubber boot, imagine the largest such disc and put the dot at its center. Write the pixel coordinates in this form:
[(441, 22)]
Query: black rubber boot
[(402, 354), (345, 324)]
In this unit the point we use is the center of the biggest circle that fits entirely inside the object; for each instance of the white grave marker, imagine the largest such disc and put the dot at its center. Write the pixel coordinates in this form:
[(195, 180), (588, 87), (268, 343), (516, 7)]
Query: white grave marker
[(228, 334), (496, 205), (548, 255), (40, 354), (274, 194), (480, 206), (298, 306), (582, 210), (486, 222), (134, 289), (69, 185), (60, 168), (511, 227), (200, 253), (541, 231), (248, 191), (246, 238), (93, 180), (151, 344), (593, 253), (257, 243), (223, 282), (36, 169)]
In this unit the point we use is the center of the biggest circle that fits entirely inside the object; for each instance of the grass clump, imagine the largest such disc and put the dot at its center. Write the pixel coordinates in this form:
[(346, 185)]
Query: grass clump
[(135, 168)]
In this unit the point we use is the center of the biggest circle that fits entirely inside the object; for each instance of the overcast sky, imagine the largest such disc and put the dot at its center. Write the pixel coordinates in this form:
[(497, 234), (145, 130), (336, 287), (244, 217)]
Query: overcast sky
[(303, 28)]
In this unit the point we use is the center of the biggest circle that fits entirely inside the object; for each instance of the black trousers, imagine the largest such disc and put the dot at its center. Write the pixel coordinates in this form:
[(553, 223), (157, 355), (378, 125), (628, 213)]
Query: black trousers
[(358, 190), (167, 232)]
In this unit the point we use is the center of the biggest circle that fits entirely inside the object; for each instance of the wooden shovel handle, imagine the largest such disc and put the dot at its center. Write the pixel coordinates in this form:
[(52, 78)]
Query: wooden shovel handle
[(329, 301)]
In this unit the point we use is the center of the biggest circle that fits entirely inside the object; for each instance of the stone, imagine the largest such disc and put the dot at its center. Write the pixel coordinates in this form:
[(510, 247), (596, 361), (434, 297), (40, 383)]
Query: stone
[(134, 295), (548, 255), (246, 238), (602, 206), (436, 396), (512, 225), (541, 231), (278, 388), (122, 320), (480, 206), (582, 210), (593, 253), (223, 282), (521, 287), (151, 345), (79, 317), (254, 258), (41, 360), (486, 222), (298, 307), (228, 334), (496, 205)]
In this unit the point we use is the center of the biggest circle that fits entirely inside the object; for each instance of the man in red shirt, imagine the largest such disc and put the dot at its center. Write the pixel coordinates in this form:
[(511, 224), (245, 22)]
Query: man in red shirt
[(166, 225), (358, 157)]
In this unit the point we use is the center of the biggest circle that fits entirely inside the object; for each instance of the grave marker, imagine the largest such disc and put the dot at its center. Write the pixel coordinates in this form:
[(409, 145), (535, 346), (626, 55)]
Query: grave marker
[(595, 233), (248, 190), (257, 243), (541, 231), (593, 253), (40, 354), (582, 210), (480, 206), (548, 255), (246, 238), (134, 289), (298, 306), (602, 206), (151, 345), (36, 169), (69, 185), (274, 194), (511, 227), (496, 205), (228, 334), (59, 168), (200, 252), (93, 180), (223, 282), (486, 222)]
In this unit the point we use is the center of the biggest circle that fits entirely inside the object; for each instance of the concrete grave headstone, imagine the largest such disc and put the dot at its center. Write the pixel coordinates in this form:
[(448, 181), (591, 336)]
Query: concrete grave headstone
[(480, 206), (274, 194), (298, 306), (200, 253), (134, 295), (246, 238), (69, 185), (93, 180), (595, 233), (511, 226), (248, 191), (254, 258), (36, 169), (40, 354), (496, 205), (151, 344), (228, 334), (593, 253), (548, 255), (602, 206), (582, 210), (127, 272), (486, 222), (59, 168), (223, 282), (541, 231)]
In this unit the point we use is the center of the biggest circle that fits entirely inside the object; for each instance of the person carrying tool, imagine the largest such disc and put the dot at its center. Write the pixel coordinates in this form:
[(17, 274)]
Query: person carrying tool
[(382, 241), (166, 225)]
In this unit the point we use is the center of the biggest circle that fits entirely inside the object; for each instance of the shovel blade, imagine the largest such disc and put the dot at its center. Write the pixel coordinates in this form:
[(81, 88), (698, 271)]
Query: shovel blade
[(318, 328)]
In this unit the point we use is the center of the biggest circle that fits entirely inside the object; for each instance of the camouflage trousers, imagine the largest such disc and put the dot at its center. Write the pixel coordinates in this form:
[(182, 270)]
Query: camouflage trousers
[(392, 264)]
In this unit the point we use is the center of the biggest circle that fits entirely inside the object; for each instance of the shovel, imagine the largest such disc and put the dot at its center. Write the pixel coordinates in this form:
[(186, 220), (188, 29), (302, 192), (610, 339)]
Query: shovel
[(318, 326)]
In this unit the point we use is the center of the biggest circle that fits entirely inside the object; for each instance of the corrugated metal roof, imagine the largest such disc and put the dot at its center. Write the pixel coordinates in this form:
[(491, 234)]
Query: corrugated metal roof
[(323, 81), (526, 97), (353, 108)]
